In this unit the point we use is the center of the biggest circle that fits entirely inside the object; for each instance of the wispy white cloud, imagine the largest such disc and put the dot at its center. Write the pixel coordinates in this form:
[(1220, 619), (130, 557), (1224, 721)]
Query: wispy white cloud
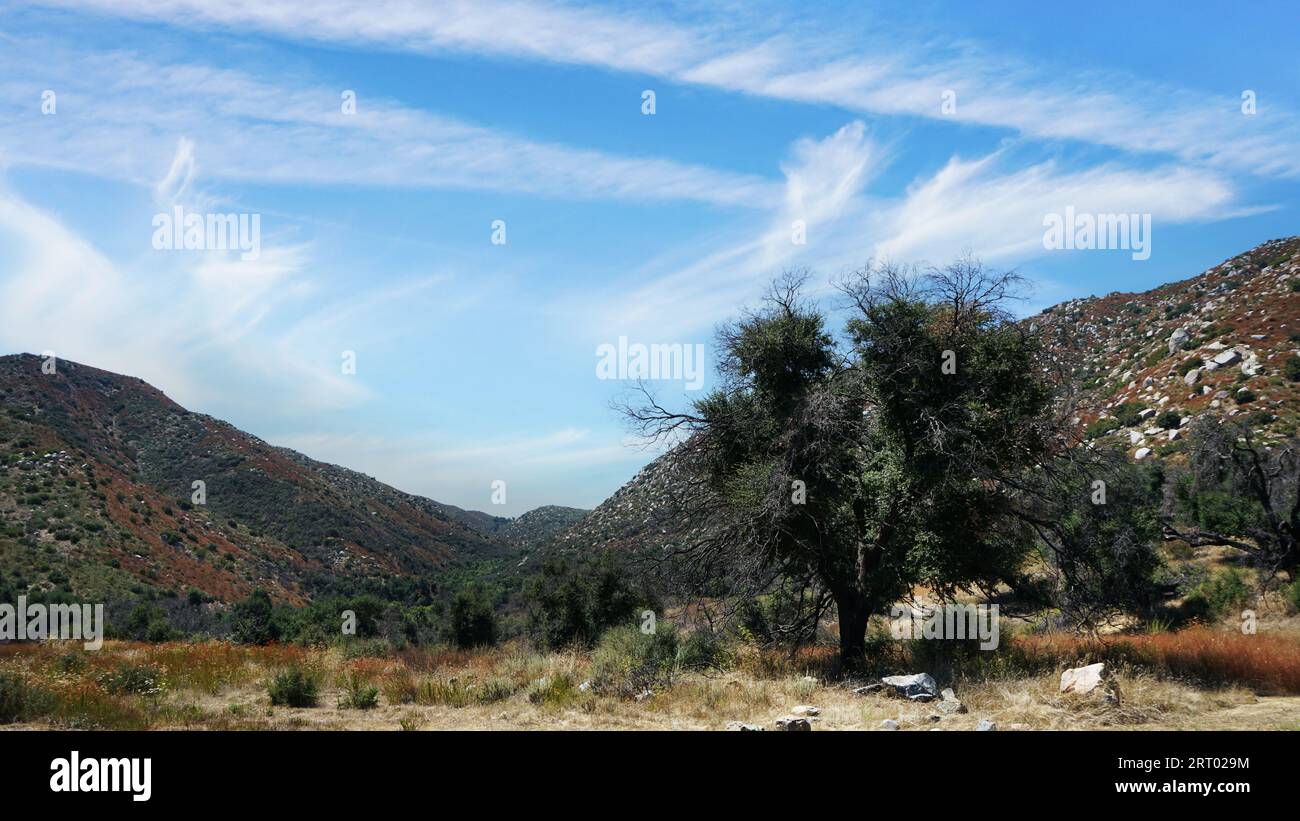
[(537, 469), (249, 130), (982, 206), (211, 329), (741, 53), (988, 206)]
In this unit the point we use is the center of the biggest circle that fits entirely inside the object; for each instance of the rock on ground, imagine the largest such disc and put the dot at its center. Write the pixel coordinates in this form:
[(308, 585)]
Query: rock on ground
[(793, 724), (918, 686)]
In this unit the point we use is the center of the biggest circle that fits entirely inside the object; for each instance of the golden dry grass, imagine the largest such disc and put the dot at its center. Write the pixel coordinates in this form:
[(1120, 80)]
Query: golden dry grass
[(216, 685)]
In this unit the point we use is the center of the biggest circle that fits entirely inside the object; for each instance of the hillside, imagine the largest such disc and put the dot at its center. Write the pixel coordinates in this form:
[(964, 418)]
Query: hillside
[(96, 478), (539, 526), (1216, 343)]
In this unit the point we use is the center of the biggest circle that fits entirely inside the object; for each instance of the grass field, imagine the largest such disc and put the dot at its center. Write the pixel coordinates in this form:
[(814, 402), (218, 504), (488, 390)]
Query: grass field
[(1194, 679)]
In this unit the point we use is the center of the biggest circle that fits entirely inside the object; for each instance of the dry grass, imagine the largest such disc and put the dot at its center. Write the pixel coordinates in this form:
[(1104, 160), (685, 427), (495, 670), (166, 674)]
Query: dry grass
[(1187, 680)]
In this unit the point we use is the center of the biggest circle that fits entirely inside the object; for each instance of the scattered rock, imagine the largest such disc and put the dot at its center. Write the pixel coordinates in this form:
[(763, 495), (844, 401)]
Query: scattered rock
[(986, 726), (868, 689), (1142, 453), (1094, 678), (1228, 357), (917, 687), (1192, 376), (793, 724), (950, 705), (806, 710), (742, 727), (1178, 339), (1083, 680), (889, 724)]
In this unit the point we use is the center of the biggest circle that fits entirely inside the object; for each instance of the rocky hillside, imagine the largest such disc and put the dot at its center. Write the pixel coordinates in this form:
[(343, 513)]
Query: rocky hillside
[(97, 476), (1225, 342), (539, 526), (1139, 368)]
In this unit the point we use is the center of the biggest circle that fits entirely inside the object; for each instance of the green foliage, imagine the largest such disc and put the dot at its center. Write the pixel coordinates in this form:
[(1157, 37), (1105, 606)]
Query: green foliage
[(1169, 419), (133, 679), (1244, 396), (294, 687), (557, 691), (1101, 548), (251, 622), (358, 693), (472, 620), (700, 650), (1128, 414), (1293, 596), (894, 437), (1218, 509), (575, 604), (1217, 597), (1291, 368), (628, 662), (148, 622), (19, 700), (1101, 427)]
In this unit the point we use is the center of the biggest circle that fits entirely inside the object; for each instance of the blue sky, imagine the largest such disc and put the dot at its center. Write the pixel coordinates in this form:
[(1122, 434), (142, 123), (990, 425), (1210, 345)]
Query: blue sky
[(477, 361)]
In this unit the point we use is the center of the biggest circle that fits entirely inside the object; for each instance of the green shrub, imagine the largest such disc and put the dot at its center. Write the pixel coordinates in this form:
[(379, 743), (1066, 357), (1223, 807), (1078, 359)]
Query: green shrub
[(1216, 598), (496, 689), (358, 693), (473, 623), (1227, 590), (1243, 396), (1129, 414), (1101, 427), (295, 687), (133, 679), (1169, 419), (1291, 368), (251, 620), (701, 649), (627, 662), (554, 691), (575, 605), (1293, 596), (18, 699)]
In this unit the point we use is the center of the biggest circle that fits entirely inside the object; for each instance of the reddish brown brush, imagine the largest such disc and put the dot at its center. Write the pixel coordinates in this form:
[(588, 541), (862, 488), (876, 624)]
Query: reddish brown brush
[(1268, 663)]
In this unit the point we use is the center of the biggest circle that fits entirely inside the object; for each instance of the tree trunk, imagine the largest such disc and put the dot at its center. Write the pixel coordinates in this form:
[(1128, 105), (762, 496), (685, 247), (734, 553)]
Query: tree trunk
[(854, 611)]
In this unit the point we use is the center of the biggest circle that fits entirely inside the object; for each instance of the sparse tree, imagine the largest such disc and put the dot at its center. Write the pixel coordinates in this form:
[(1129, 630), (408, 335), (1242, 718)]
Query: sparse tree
[(902, 435), (1240, 492)]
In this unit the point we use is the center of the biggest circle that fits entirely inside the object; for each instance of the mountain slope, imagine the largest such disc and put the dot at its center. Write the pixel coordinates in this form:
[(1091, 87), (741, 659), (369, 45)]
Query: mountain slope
[(1215, 344), (1113, 354), (97, 473)]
